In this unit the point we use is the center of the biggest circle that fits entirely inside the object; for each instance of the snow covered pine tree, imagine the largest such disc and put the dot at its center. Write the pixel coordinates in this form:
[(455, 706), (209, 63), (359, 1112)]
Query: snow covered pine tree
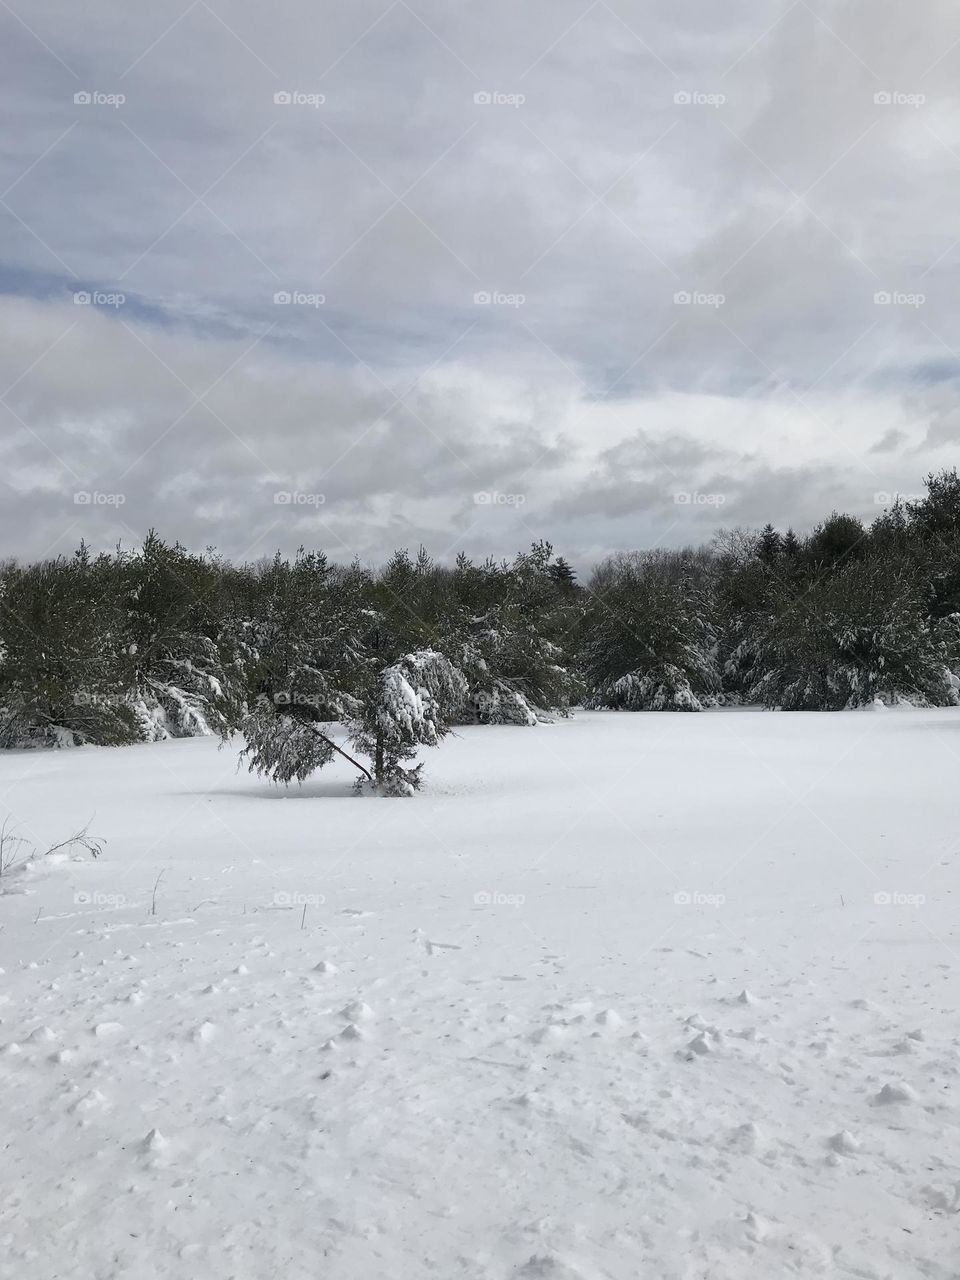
[(324, 661), (410, 705), (648, 644)]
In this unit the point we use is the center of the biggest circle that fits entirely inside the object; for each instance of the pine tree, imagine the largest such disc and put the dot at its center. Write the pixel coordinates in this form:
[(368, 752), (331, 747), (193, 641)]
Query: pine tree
[(938, 514), (411, 704), (791, 545), (563, 575), (514, 642), (850, 636), (839, 538), (301, 655), (933, 537), (770, 545), (177, 651), (336, 651), (61, 662), (648, 644)]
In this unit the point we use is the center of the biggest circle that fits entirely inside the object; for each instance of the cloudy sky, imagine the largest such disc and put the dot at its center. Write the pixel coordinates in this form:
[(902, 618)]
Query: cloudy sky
[(370, 273)]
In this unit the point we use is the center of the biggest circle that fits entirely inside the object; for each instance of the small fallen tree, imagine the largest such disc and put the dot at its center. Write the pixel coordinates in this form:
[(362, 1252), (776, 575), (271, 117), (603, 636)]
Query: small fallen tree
[(409, 704), (335, 677)]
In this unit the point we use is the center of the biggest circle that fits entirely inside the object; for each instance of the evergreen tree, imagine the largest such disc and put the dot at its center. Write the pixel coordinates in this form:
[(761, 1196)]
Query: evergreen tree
[(770, 545), (338, 651), (515, 639), (851, 636), (410, 704), (839, 538), (177, 651), (301, 654), (312, 660), (563, 575), (648, 644), (938, 514), (890, 533), (933, 530), (61, 655)]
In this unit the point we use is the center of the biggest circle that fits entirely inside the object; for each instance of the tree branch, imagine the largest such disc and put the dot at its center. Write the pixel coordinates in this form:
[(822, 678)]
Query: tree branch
[(340, 751)]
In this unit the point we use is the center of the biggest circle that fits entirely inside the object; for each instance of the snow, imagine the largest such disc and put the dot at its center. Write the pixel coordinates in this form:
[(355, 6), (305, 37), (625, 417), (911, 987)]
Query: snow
[(629, 995)]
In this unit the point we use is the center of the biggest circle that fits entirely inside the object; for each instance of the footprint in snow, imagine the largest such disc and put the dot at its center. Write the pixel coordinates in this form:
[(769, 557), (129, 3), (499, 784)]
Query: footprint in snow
[(893, 1094), (352, 1032), (548, 1267), (943, 1200), (902, 1048), (608, 1018), (699, 1046), (844, 1143), (746, 1137), (706, 1042), (103, 1029), (553, 1034), (357, 1011), (153, 1143), (92, 1101)]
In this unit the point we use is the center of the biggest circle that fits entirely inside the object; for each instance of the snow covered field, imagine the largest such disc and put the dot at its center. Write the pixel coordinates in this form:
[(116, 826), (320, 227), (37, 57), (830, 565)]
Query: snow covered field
[(659, 996)]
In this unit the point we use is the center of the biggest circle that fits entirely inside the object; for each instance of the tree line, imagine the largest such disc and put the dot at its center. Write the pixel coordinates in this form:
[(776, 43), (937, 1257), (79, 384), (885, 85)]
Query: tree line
[(309, 659)]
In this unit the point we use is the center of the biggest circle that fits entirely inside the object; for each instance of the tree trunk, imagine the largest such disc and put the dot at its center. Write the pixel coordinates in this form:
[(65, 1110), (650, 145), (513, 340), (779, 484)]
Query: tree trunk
[(340, 750), (378, 762)]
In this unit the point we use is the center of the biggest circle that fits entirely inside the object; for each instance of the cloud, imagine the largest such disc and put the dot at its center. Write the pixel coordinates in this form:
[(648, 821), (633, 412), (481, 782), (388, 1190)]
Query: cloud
[(890, 440), (593, 257)]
